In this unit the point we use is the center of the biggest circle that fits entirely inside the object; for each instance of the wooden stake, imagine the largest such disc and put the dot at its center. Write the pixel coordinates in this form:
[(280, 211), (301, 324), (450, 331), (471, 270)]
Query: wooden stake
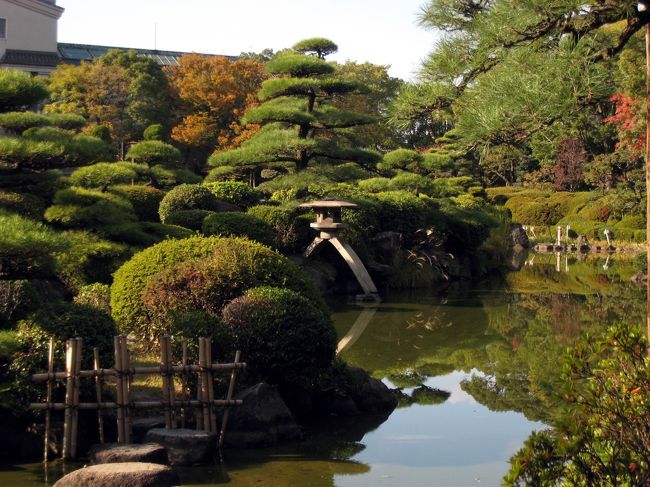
[(231, 390), (48, 413), (98, 394), (210, 376), (184, 395), (170, 380), (119, 390), (164, 367), (126, 388), (204, 385), (78, 343), (69, 393)]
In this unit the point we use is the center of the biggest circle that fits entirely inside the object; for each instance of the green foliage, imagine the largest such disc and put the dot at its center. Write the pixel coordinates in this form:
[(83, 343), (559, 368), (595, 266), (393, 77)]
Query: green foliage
[(26, 248), (27, 205), (102, 175), (196, 273), (298, 65), (604, 438), (17, 122), (222, 173), (402, 212), (19, 298), (317, 46), (375, 185), (154, 132), (187, 197), (101, 132), (48, 134), (166, 178), (285, 337), (236, 224), (145, 200), (89, 259), (446, 187), (95, 295), (155, 152), (291, 231), (67, 121), (235, 192), (19, 90), (192, 219)]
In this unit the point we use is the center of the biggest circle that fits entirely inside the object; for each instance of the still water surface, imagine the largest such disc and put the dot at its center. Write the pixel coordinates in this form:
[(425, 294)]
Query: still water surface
[(478, 369)]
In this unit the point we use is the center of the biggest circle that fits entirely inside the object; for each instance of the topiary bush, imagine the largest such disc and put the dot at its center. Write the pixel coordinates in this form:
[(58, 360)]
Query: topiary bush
[(237, 224), (17, 122), (67, 121), (145, 200), (235, 192), (48, 134), (102, 175), (154, 152), (192, 219), (154, 132), (196, 274), (187, 197), (26, 205), (19, 90), (402, 212), (86, 149), (285, 338), (223, 173), (101, 132), (291, 230), (166, 178)]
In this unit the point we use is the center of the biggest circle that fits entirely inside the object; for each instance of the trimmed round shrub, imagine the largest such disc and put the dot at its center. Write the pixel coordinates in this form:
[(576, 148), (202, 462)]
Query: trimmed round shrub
[(68, 121), (187, 197), (85, 149), (18, 122), (82, 208), (196, 274), (154, 132), (403, 212), (413, 183), (102, 175), (192, 219), (26, 248), (284, 337), (26, 205), (165, 178), (375, 185), (101, 132), (534, 213), (19, 90), (48, 134), (235, 192), (154, 152), (237, 224), (223, 173), (145, 200), (290, 229), (161, 231), (95, 295)]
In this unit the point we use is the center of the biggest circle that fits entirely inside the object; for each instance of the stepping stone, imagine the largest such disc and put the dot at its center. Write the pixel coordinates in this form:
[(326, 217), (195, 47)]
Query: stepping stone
[(130, 474), (184, 446), (118, 453)]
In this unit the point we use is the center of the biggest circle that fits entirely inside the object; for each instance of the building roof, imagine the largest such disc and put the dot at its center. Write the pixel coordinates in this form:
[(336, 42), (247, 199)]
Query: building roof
[(30, 58), (75, 53)]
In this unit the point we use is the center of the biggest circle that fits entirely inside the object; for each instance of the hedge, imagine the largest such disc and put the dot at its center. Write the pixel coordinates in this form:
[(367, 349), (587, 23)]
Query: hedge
[(154, 152), (187, 197), (237, 224)]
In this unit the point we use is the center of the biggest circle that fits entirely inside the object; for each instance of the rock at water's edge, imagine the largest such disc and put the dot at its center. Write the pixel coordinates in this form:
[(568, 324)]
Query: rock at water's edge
[(119, 453), (184, 446), (370, 394), (132, 474)]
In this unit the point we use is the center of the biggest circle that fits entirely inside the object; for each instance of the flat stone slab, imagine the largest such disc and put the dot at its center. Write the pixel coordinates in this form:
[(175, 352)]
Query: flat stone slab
[(129, 474), (184, 446), (118, 453)]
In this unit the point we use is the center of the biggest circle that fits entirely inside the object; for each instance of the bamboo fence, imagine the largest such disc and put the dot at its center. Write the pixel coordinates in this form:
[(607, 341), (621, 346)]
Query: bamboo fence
[(173, 404)]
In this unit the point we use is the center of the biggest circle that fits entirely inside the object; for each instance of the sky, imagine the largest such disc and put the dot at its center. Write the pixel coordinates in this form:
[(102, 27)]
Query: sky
[(378, 31)]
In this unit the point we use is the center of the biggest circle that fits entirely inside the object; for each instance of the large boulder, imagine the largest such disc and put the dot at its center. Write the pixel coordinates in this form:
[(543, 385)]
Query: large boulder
[(370, 394), (262, 419), (119, 453), (184, 446), (133, 474), (519, 236)]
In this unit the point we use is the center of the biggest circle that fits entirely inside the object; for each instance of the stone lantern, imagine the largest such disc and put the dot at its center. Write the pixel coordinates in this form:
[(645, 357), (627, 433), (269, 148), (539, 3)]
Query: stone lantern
[(328, 223)]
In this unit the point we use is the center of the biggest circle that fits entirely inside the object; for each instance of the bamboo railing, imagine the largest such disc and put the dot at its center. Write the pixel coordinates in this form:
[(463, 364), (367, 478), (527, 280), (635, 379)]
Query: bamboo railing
[(174, 405)]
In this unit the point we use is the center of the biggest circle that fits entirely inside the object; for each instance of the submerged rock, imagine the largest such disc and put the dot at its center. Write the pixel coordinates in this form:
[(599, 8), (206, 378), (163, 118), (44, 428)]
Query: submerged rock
[(184, 446), (132, 474), (119, 453), (263, 419)]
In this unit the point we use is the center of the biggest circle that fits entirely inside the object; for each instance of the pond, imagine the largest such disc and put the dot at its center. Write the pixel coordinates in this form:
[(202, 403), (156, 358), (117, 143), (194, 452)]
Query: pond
[(477, 368)]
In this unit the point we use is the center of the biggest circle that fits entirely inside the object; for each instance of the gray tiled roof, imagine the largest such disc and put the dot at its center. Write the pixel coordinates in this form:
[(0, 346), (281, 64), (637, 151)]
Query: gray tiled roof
[(75, 53), (30, 58)]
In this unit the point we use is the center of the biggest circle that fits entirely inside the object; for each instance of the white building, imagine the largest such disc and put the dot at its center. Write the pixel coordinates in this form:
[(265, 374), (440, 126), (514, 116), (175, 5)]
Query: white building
[(28, 35)]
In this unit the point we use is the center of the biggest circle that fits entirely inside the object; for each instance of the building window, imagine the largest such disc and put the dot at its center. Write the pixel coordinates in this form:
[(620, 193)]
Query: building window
[(3, 28)]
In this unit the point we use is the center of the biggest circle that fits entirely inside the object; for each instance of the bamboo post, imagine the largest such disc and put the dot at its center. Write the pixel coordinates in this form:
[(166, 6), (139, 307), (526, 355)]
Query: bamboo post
[(210, 375), (126, 388), (119, 390), (69, 392), (231, 390), (164, 367), (78, 343), (48, 412), (204, 385), (184, 395), (98, 394), (170, 380)]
